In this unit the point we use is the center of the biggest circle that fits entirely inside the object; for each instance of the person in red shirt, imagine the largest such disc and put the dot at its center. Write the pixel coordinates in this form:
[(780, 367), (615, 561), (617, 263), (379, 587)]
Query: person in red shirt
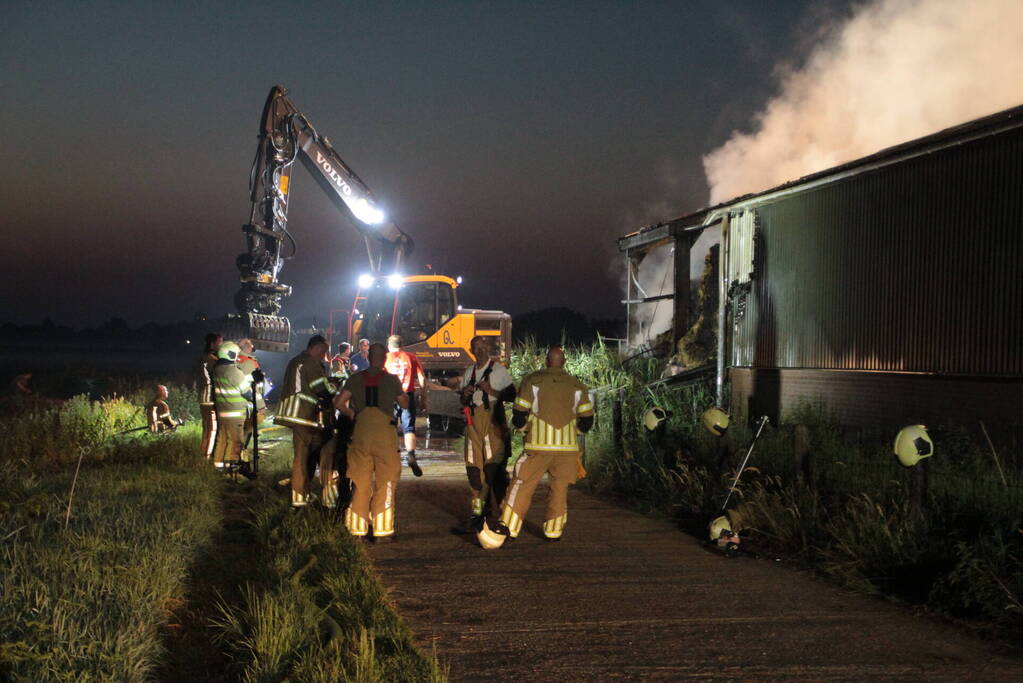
[(406, 367)]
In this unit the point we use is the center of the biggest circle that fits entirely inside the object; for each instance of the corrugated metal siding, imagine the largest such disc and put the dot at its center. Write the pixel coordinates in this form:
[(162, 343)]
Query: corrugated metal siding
[(878, 401), (912, 267)]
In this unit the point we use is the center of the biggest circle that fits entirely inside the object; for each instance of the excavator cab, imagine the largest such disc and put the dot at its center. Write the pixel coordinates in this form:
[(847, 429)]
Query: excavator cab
[(414, 307)]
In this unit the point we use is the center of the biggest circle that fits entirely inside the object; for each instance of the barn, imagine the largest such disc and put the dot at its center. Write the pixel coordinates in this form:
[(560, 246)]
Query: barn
[(888, 289)]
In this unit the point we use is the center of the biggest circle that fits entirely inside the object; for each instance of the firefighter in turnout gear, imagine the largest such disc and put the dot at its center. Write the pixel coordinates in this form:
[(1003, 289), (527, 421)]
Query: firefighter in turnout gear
[(232, 397), (158, 414), (554, 408), (204, 381), (248, 364), (306, 407), (374, 465), (486, 386)]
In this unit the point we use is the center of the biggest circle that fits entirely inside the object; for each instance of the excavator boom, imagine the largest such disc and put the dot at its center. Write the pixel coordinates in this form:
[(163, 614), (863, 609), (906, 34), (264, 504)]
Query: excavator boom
[(286, 135)]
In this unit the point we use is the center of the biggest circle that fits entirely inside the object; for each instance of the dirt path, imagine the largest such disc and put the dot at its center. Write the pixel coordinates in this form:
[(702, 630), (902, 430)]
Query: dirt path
[(625, 596)]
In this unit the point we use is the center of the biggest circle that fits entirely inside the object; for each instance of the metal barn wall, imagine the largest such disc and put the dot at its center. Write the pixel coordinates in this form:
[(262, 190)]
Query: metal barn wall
[(915, 266)]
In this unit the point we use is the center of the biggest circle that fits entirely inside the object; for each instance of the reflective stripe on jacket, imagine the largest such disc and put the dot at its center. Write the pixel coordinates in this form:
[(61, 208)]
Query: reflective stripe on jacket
[(306, 386), (231, 396), (204, 378), (554, 399)]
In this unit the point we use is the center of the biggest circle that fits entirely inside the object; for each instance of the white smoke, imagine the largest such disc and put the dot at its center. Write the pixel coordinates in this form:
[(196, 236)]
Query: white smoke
[(895, 71), (653, 277)]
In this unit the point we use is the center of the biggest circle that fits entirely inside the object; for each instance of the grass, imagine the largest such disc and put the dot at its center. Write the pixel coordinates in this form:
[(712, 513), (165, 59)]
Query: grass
[(162, 567), (848, 513), (87, 601), (313, 610)]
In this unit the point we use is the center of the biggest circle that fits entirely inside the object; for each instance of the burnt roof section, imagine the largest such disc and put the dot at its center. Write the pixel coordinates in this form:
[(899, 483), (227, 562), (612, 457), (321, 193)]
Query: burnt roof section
[(958, 134)]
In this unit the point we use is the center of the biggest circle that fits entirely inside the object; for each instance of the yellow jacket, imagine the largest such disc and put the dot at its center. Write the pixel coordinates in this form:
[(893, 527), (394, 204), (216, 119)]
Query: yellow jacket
[(305, 387), (554, 400)]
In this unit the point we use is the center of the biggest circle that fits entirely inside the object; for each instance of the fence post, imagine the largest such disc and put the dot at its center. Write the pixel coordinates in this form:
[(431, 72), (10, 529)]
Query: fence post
[(918, 487), (616, 421), (801, 451)]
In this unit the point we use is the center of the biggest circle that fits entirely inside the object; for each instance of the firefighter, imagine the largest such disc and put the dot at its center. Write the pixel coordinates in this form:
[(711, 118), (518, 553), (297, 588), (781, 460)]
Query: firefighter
[(341, 362), (374, 465), (305, 407), (406, 367), (204, 380), (553, 407), (248, 364), (485, 386), (232, 397), (158, 415)]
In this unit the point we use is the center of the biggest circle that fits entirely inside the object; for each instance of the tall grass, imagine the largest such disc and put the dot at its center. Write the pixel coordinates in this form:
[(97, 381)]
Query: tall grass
[(92, 599), (314, 611), (86, 602), (848, 512)]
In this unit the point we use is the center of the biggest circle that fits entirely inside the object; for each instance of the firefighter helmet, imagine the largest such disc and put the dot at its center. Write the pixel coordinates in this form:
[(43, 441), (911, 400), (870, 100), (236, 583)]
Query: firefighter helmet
[(912, 444), (654, 418), (490, 539), (228, 351), (718, 525), (716, 421)]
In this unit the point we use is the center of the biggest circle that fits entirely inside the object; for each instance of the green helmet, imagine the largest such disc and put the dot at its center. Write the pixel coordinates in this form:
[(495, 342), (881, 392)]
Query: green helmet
[(228, 351), (913, 444), (718, 525), (716, 421), (654, 418)]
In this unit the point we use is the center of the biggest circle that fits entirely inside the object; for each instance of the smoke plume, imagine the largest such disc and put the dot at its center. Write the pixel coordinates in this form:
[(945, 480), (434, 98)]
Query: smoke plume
[(896, 70)]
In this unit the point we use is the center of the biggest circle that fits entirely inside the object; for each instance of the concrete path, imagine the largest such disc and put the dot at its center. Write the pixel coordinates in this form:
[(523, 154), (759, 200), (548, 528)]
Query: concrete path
[(624, 596)]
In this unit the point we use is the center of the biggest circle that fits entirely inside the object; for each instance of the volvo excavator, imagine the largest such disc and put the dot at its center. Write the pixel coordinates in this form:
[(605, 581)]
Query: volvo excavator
[(422, 308)]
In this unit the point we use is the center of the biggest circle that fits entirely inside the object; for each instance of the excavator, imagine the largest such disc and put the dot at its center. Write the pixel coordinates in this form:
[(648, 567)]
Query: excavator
[(422, 308)]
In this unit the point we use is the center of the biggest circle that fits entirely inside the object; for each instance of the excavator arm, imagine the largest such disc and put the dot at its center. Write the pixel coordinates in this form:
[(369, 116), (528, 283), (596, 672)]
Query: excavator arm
[(286, 135)]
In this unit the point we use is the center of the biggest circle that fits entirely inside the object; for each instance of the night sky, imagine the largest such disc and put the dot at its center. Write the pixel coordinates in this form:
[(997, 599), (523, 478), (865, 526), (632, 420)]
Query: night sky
[(513, 141)]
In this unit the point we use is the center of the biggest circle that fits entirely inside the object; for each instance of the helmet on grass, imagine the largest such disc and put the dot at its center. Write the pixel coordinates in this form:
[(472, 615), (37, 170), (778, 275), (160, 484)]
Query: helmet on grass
[(654, 418), (715, 421), (913, 444)]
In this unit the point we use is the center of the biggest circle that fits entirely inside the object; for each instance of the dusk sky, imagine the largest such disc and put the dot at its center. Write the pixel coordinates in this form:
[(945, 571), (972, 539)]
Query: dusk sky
[(514, 141)]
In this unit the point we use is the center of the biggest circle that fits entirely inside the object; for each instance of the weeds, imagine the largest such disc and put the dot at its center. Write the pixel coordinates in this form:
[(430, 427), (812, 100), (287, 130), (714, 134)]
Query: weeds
[(93, 601), (846, 512), (315, 612), (87, 602)]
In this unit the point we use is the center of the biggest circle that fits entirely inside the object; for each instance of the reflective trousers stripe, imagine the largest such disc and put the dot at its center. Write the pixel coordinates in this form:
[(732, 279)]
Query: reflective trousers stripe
[(553, 528), (287, 419), (511, 520), (357, 526), (383, 524)]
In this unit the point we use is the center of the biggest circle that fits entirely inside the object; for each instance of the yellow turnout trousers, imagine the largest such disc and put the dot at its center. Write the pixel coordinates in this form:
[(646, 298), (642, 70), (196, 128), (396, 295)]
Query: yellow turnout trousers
[(561, 469), (230, 440), (374, 467), (484, 451), (312, 444), (209, 429)]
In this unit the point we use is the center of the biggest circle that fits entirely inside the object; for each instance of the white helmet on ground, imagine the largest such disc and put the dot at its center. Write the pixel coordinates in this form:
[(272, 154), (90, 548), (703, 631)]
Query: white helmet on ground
[(490, 539)]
